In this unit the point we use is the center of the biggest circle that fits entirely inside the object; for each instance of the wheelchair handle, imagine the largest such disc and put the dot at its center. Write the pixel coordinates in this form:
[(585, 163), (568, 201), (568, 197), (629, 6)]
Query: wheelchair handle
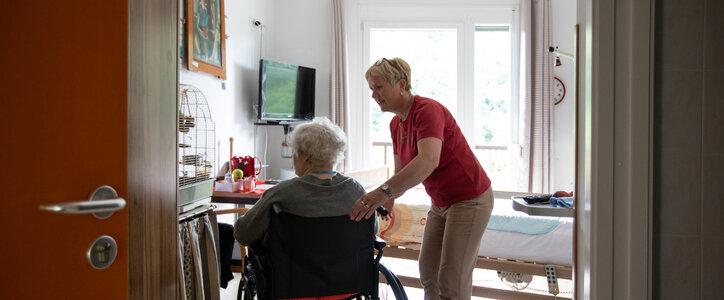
[(382, 211)]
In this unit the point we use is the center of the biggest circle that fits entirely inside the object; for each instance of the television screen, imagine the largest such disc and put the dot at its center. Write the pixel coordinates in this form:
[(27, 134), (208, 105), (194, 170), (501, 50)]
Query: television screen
[(286, 91)]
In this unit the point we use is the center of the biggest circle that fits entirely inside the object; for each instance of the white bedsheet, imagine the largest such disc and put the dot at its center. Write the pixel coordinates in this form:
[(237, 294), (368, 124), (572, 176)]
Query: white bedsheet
[(554, 247)]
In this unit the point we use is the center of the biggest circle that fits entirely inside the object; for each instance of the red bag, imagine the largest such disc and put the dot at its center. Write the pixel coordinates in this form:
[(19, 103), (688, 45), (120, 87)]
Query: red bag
[(246, 164)]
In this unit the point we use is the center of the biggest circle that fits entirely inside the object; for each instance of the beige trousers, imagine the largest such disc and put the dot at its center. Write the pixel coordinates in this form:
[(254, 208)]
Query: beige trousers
[(450, 247)]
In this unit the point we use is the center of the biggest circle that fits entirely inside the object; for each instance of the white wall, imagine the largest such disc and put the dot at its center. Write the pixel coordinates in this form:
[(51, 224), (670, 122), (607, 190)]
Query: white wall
[(296, 32), (303, 36), (299, 32), (564, 20), (233, 107)]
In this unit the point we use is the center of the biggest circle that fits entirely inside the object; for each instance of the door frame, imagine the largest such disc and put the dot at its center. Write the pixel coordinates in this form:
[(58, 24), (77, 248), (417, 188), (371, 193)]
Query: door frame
[(614, 238), (152, 183), (611, 35)]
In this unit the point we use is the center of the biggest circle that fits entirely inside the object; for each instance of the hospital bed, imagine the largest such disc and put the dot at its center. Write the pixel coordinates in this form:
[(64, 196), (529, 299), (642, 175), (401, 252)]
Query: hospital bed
[(513, 244)]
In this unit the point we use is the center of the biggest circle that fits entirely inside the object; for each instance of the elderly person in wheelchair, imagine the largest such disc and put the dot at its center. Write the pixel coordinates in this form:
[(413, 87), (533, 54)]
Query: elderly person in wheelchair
[(318, 191), (301, 241)]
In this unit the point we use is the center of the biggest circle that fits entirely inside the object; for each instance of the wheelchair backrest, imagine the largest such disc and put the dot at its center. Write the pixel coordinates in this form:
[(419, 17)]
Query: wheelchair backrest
[(314, 257)]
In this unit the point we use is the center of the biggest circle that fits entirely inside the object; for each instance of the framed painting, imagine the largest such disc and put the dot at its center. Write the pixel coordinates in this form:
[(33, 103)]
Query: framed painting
[(206, 38)]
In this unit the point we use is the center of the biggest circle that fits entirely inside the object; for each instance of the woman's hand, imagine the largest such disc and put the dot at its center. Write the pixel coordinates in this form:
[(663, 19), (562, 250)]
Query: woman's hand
[(365, 206), (385, 210)]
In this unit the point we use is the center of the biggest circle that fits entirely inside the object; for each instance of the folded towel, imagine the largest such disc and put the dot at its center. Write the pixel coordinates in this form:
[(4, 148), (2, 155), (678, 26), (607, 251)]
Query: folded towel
[(566, 202), (523, 223)]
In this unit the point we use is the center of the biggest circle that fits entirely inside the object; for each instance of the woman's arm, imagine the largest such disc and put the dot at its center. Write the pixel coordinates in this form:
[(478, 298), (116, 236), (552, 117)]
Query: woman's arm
[(412, 174), (398, 165), (419, 168)]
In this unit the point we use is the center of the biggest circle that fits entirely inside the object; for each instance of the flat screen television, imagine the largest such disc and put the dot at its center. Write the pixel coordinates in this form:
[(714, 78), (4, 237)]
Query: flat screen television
[(286, 92)]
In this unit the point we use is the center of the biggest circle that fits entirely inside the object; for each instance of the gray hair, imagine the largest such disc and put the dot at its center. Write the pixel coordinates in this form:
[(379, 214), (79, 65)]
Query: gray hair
[(324, 141)]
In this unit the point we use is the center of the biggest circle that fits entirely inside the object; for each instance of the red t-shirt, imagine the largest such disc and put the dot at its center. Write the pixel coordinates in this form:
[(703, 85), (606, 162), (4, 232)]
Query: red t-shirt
[(459, 175)]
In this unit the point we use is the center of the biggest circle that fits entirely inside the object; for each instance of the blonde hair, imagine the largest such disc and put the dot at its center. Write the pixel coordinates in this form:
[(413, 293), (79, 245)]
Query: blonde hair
[(391, 70), (322, 140)]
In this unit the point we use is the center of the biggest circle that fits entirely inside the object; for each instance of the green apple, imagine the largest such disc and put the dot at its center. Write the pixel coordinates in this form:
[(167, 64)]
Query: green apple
[(238, 174)]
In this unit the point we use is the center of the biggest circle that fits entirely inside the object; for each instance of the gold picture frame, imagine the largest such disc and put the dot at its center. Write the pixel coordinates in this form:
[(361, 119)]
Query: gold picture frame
[(206, 37)]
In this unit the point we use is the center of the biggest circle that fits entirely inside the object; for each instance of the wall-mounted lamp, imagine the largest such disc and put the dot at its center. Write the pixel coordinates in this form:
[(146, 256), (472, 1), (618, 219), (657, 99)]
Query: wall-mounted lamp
[(560, 53)]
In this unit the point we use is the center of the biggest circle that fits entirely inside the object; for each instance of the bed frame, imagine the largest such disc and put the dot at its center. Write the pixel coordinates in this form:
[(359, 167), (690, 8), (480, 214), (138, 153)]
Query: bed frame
[(489, 263), (371, 178)]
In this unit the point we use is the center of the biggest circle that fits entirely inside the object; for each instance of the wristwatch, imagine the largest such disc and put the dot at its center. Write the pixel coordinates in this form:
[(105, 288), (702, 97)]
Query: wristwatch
[(386, 188)]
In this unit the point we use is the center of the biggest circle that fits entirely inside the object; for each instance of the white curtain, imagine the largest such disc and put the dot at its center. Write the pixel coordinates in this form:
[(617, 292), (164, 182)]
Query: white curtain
[(338, 100), (536, 136)]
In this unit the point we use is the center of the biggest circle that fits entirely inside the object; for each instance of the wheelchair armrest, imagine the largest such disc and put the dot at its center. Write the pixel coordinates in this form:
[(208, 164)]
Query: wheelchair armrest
[(379, 243)]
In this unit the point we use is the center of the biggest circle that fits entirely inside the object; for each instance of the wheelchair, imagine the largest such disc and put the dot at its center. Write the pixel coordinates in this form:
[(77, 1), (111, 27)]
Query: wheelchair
[(318, 257)]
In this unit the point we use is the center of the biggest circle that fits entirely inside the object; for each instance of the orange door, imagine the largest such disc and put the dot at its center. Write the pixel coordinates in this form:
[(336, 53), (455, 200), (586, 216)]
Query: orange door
[(63, 122)]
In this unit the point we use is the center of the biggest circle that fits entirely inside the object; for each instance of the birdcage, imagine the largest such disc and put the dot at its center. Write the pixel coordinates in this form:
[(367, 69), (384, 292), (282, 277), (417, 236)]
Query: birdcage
[(196, 139)]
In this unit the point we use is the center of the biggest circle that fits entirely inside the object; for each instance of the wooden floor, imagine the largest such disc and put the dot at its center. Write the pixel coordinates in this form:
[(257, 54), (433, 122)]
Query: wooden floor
[(483, 280), (229, 293)]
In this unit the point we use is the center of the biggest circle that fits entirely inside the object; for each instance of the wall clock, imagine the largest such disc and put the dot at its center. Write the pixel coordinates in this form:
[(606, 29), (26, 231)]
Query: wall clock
[(559, 90)]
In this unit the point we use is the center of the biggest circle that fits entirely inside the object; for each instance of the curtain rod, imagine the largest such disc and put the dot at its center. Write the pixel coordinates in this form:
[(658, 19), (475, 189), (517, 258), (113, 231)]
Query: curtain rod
[(195, 212)]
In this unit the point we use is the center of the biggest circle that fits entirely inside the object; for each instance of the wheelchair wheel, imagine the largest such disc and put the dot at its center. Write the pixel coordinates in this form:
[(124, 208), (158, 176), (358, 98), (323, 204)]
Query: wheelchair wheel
[(392, 289), (246, 289)]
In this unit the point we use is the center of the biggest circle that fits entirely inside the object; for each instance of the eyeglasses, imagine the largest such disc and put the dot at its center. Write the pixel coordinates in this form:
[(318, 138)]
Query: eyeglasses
[(391, 63), (394, 64)]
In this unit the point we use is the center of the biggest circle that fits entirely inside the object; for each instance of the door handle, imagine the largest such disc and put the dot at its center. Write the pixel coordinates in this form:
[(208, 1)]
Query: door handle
[(103, 202), (85, 207)]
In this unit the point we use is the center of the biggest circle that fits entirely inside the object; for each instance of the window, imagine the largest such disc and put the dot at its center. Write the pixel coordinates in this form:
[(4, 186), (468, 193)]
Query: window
[(433, 52), (465, 62), (492, 103)]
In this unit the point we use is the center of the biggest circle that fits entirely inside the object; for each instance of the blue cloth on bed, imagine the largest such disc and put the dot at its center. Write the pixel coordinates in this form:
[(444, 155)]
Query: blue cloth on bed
[(566, 202), (522, 223)]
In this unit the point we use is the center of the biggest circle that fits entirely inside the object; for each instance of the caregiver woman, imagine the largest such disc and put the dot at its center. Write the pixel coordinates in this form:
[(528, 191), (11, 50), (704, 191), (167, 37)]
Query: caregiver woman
[(430, 148)]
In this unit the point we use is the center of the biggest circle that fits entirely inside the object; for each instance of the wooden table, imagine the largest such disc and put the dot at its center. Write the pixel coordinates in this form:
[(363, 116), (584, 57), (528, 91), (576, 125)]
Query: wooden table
[(234, 198)]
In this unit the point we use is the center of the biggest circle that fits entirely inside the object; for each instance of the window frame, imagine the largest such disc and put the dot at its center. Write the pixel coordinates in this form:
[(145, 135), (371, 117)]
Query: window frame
[(513, 146), (464, 18)]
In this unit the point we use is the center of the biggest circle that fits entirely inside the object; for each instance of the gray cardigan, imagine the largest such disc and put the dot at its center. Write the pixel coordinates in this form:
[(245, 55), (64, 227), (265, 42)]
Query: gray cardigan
[(306, 196)]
